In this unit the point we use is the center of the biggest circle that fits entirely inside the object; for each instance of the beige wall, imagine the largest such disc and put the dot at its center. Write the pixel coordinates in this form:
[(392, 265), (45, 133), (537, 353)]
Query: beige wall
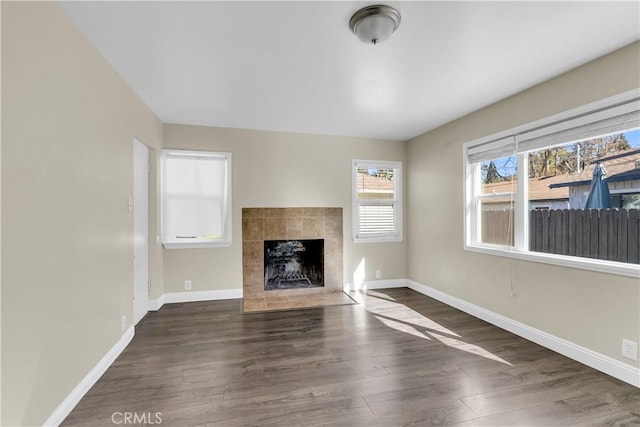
[(273, 169), (0, 234), (68, 124), (593, 310)]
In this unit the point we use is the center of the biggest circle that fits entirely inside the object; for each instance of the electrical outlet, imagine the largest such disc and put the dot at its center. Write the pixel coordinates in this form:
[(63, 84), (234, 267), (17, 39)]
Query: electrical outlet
[(378, 274), (630, 349), (123, 323), (187, 285)]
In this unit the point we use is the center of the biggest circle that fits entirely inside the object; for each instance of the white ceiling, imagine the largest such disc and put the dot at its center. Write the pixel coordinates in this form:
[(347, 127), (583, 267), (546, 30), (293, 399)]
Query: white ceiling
[(295, 66)]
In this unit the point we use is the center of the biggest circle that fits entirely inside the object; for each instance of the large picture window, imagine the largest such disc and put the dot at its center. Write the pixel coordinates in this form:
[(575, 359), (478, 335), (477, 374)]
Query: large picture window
[(196, 199), (562, 190), (377, 201)]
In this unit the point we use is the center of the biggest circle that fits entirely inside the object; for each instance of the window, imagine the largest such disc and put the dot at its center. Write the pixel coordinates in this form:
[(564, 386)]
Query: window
[(494, 193), (196, 199), (377, 201), (630, 201), (526, 189)]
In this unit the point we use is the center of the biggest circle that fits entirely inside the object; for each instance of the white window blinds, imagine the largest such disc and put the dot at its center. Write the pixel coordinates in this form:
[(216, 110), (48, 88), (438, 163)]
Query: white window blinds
[(492, 150), (376, 219), (611, 120), (617, 118), (195, 194), (377, 204)]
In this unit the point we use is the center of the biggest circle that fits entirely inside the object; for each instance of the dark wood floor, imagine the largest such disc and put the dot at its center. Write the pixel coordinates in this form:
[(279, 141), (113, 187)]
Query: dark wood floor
[(399, 358)]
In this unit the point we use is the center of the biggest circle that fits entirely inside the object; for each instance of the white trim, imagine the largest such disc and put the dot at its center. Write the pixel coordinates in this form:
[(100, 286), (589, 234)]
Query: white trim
[(376, 284), (385, 164), (397, 202), (196, 244), (489, 196), (521, 226), (227, 213), (194, 296), (156, 304), (72, 399), (621, 190), (591, 264), (622, 371), (381, 238)]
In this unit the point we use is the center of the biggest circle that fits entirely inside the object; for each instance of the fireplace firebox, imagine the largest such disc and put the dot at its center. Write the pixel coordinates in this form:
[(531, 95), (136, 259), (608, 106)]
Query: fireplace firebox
[(293, 264)]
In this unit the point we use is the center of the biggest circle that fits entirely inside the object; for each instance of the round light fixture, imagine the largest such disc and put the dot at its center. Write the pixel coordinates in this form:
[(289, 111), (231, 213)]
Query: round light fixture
[(373, 24)]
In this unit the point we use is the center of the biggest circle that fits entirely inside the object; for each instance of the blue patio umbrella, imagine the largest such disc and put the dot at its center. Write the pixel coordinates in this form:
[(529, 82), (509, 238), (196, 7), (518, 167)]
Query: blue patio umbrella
[(599, 193)]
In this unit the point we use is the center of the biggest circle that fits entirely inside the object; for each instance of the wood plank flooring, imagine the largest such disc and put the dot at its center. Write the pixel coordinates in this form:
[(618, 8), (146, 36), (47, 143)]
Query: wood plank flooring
[(398, 358)]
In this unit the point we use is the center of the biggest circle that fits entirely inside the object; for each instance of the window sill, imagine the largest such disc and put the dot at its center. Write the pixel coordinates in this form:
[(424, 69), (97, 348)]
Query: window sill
[(377, 239), (602, 266), (195, 245)]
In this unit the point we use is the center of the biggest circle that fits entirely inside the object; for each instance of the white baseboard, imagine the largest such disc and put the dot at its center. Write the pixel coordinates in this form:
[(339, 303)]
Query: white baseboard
[(622, 371), (67, 405), (70, 402), (155, 304), (376, 284), (193, 296)]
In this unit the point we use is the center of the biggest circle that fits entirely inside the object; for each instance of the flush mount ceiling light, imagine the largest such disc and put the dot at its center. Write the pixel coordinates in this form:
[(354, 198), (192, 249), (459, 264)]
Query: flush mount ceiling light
[(373, 24)]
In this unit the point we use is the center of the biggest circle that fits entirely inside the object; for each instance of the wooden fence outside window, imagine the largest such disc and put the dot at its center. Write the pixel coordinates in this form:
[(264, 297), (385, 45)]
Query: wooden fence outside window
[(607, 234)]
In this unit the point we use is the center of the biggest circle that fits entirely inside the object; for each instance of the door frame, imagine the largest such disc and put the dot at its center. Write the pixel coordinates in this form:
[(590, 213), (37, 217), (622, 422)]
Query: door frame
[(140, 216)]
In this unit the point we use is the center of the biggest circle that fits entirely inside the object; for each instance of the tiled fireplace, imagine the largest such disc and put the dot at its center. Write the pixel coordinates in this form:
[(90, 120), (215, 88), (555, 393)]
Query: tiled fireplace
[(296, 243)]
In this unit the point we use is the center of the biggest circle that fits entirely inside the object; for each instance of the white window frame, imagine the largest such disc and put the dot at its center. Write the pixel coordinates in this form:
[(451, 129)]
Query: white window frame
[(546, 129), (198, 242), (396, 235)]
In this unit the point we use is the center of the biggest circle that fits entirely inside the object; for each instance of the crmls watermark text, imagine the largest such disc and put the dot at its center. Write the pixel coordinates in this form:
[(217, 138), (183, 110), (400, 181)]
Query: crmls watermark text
[(133, 418)]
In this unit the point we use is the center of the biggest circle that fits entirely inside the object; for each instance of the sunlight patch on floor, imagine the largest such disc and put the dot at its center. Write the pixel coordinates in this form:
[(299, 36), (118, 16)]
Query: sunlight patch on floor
[(380, 295), (409, 321), (468, 347), (402, 327), (409, 316)]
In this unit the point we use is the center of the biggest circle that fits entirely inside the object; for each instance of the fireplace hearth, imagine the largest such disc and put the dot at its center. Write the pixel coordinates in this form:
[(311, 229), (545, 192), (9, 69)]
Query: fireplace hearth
[(293, 264)]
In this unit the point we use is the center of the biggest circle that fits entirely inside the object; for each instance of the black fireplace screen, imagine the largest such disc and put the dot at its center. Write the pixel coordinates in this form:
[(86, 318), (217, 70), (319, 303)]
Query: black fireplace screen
[(290, 264)]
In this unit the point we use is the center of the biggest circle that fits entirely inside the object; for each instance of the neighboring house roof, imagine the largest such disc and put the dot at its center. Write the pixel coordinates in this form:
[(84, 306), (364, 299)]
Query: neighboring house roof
[(619, 167), (374, 185), (538, 189)]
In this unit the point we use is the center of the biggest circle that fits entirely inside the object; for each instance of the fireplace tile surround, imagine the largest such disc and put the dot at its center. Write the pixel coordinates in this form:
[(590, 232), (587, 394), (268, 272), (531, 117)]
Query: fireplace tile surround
[(260, 224)]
